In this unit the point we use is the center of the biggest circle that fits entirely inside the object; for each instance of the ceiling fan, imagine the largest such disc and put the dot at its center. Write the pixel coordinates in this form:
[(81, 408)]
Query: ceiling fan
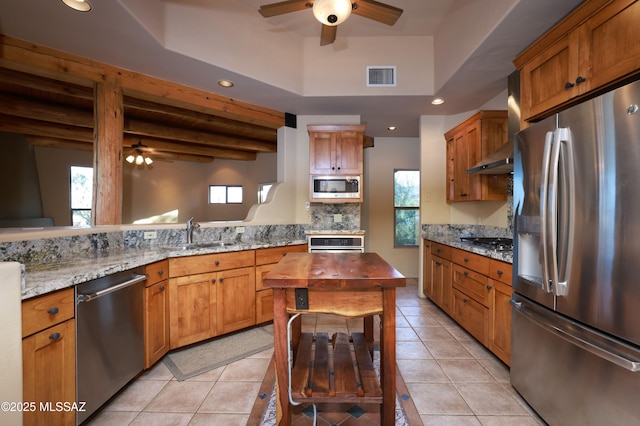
[(333, 12)]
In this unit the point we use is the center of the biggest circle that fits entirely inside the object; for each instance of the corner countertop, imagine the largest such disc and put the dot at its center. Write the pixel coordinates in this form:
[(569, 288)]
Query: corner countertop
[(454, 241), (44, 278)]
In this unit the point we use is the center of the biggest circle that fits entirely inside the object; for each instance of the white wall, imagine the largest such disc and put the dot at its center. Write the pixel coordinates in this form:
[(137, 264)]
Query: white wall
[(380, 161)]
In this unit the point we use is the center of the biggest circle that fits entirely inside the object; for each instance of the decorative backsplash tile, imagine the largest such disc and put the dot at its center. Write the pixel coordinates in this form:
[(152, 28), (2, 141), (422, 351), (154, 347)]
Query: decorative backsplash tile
[(323, 216)]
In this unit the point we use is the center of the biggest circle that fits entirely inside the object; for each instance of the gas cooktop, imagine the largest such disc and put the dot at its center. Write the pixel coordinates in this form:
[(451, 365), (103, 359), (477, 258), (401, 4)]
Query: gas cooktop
[(491, 243)]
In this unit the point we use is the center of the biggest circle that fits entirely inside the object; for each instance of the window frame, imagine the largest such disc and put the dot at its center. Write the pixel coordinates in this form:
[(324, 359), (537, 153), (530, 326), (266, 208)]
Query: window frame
[(73, 210), (226, 194), (402, 208)]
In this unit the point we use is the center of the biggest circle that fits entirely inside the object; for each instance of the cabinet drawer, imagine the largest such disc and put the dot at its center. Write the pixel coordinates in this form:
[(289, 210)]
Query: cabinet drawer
[(441, 250), (180, 266), (261, 271), (47, 310), (156, 272), (275, 254), (472, 284), (500, 271), (471, 261), (471, 315)]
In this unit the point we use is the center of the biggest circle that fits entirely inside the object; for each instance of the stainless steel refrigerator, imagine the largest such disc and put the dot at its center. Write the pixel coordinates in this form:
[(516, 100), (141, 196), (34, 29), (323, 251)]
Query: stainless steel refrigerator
[(575, 354)]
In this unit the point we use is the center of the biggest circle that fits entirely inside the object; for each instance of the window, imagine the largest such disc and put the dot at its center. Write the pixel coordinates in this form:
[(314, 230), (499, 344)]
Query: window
[(263, 191), (81, 195), (406, 203), (225, 194)]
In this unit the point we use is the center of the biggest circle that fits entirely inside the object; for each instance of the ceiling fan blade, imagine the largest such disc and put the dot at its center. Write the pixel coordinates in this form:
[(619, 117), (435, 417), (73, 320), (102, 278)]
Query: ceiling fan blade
[(275, 9), (328, 34), (377, 11)]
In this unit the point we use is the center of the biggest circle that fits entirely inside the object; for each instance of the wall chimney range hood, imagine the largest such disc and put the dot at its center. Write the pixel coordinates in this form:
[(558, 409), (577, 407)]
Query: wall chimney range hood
[(501, 160)]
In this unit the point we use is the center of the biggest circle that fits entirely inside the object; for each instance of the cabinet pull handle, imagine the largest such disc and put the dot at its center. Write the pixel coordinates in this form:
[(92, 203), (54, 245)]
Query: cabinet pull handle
[(161, 288), (580, 80), (217, 263), (466, 260), (160, 272), (438, 264), (489, 287), (500, 272), (465, 273), (221, 279), (54, 336), (213, 280), (465, 300), (463, 195), (53, 310), (568, 85)]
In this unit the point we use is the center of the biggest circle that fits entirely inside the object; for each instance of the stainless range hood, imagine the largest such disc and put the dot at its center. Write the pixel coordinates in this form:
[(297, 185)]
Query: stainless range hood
[(501, 160), (498, 162)]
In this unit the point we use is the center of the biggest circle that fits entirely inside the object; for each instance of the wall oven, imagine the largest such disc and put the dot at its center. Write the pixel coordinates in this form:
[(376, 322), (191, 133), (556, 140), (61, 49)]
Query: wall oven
[(343, 243), (343, 188)]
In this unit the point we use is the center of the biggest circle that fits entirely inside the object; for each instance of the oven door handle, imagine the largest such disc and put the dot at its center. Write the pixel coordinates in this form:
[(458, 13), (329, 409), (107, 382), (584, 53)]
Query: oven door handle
[(92, 296)]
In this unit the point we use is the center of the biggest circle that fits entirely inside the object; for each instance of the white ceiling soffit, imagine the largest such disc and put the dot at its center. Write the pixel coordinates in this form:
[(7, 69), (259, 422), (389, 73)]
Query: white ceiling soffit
[(110, 33)]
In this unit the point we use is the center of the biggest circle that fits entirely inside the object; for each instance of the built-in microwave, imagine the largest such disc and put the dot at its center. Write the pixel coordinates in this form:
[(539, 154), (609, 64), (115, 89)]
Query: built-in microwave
[(326, 188)]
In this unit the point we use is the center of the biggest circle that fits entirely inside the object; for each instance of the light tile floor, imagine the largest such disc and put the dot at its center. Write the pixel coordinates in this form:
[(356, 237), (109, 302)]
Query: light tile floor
[(452, 379)]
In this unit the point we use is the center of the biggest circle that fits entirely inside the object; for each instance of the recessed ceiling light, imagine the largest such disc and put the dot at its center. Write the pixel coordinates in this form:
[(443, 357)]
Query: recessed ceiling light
[(437, 101), (81, 5), (225, 83), (391, 128)]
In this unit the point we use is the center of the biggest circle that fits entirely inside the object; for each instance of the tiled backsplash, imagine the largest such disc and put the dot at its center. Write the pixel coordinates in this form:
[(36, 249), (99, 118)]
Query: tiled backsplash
[(323, 216)]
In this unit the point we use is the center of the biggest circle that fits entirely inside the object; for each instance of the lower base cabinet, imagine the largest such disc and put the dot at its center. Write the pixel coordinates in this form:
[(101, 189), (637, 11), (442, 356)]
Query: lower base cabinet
[(475, 291)]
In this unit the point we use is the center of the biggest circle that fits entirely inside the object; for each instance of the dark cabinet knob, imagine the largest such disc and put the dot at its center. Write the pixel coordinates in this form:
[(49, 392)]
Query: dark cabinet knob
[(580, 80), (213, 280), (489, 287), (500, 272), (160, 272), (465, 300), (568, 85), (465, 273), (466, 260), (161, 288), (217, 263), (221, 279), (54, 336), (53, 310)]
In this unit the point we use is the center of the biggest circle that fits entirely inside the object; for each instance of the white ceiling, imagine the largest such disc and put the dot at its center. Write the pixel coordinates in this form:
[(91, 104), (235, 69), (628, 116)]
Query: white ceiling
[(129, 34)]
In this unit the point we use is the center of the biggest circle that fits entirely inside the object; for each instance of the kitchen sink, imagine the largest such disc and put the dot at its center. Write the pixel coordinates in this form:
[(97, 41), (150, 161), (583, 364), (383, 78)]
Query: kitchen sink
[(194, 246)]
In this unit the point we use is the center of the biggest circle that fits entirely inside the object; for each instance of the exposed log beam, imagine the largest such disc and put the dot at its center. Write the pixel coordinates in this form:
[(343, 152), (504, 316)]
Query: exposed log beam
[(168, 156), (58, 143), (15, 78), (159, 145), (56, 114), (141, 128), (41, 128), (24, 56)]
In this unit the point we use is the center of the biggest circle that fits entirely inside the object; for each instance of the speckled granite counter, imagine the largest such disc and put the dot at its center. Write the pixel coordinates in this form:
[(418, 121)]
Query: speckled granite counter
[(450, 235), (43, 278)]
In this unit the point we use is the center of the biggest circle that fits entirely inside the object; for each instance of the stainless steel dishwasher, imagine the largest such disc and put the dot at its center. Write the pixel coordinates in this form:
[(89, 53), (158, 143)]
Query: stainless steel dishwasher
[(109, 337)]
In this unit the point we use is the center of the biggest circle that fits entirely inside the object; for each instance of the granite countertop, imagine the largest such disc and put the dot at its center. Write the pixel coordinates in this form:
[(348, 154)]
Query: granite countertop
[(44, 278), (454, 241)]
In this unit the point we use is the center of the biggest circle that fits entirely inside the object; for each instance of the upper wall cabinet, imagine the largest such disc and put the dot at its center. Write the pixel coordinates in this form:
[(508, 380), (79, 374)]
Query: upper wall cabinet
[(336, 149), (595, 46), (467, 144)]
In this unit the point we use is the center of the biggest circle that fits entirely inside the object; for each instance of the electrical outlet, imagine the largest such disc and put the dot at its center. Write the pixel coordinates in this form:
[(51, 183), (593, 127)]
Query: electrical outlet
[(239, 229), (337, 218), (302, 298), (150, 235)]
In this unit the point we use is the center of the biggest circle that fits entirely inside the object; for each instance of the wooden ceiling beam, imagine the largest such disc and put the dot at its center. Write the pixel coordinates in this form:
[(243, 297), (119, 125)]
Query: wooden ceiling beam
[(32, 127), (57, 114), (161, 145), (58, 143)]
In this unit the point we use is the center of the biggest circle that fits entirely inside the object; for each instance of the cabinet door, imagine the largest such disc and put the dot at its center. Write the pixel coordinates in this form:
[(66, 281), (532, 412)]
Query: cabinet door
[(427, 284), (471, 315), (349, 153), (192, 302), (236, 299), (610, 39), (156, 322), (500, 327), (441, 282), (549, 78), (264, 306), (49, 373), (447, 287), (322, 153)]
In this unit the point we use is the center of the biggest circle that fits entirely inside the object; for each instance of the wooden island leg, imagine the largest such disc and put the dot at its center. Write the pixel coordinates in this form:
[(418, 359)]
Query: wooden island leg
[(280, 319), (388, 357)]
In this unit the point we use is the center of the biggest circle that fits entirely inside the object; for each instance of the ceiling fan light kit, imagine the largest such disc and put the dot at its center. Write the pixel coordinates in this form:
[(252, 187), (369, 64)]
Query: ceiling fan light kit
[(332, 12)]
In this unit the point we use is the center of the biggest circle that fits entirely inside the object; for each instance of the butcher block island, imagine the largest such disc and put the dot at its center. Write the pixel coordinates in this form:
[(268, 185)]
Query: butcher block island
[(322, 369)]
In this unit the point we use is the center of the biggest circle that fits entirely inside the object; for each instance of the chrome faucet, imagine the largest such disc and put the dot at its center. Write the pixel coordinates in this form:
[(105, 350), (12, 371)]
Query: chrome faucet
[(191, 226)]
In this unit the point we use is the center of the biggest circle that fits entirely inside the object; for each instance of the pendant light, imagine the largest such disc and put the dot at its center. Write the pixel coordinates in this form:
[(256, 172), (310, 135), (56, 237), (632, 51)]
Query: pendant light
[(332, 12)]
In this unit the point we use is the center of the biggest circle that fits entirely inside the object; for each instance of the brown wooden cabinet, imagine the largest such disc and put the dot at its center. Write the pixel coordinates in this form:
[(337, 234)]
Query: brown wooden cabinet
[(49, 356), (156, 312), (336, 149), (592, 48), (210, 294), (467, 144), (475, 291), (266, 259)]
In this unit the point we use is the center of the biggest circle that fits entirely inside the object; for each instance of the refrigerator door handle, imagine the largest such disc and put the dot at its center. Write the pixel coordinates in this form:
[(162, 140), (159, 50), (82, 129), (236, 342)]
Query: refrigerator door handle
[(544, 199), (566, 200), (591, 342)]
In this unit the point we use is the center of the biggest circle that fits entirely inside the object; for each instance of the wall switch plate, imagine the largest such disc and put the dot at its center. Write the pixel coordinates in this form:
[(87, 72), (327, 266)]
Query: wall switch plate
[(150, 235), (239, 229)]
